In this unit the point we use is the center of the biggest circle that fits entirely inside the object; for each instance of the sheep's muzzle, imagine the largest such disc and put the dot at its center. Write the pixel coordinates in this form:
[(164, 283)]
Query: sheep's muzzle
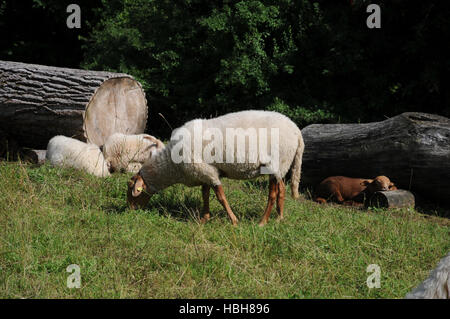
[(137, 195)]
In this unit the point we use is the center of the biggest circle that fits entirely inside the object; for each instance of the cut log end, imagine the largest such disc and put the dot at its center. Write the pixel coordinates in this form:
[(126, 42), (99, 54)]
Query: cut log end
[(118, 106), (392, 199), (38, 102)]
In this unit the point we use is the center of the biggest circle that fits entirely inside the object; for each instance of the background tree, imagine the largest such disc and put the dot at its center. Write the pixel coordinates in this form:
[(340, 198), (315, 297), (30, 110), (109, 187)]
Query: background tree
[(35, 31), (315, 61)]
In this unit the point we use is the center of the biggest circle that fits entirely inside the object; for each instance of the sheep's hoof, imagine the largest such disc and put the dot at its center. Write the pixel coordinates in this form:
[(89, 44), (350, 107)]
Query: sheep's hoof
[(262, 223), (204, 219), (280, 218)]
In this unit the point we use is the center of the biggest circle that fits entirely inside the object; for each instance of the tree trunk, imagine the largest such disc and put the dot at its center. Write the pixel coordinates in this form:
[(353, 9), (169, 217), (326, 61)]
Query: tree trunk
[(412, 149), (38, 102)]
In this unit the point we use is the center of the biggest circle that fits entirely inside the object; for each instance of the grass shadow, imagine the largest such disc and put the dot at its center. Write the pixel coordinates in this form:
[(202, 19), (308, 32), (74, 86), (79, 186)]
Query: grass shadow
[(183, 206), (181, 210), (258, 183), (114, 209), (187, 205), (430, 208)]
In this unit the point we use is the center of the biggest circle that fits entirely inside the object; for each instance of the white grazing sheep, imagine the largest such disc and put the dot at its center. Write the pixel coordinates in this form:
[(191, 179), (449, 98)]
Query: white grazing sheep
[(128, 152), (437, 285), (69, 152), (202, 166)]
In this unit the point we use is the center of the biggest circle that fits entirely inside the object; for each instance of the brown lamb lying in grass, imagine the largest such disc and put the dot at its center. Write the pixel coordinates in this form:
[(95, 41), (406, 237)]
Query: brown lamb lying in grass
[(347, 190)]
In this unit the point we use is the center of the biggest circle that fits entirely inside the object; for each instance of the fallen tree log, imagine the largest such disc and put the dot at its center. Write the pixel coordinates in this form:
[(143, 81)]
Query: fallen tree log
[(11, 151), (36, 156), (38, 102), (391, 199), (412, 149)]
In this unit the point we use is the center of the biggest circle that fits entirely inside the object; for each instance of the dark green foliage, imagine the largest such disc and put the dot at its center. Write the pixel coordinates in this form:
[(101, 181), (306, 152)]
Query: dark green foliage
[(315, 61), (301, 115), (35, 31), (202, 58)]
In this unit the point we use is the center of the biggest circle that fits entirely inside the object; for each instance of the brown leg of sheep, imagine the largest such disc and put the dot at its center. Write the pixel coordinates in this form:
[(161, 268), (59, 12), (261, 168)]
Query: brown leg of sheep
[(273, 194), (280, 199), (206, 213), (320, 200), (337, 196), (220, 194)]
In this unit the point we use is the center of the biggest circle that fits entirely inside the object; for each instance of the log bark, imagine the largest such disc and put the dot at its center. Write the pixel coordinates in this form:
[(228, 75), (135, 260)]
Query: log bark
[(392, 199), (36, 156), (38, 102), (10, 150), (412, 149)]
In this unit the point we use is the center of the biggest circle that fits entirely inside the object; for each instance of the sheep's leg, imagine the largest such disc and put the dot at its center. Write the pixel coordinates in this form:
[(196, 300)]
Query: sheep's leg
[(220, 194), (320, 200), (281, 194), (338, 196), (273, 194), (206, 213)]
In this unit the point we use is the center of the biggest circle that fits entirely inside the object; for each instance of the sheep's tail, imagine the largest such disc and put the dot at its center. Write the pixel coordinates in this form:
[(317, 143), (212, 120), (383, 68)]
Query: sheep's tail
[(296, 169)]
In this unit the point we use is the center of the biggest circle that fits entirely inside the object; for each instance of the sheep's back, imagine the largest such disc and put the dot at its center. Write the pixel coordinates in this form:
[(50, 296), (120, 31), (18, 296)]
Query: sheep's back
[(69, 152), (127, 152), (288, 134)]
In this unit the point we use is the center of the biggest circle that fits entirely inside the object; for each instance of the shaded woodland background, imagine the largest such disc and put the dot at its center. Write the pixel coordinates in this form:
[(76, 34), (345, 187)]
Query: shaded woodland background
[(315, 61)]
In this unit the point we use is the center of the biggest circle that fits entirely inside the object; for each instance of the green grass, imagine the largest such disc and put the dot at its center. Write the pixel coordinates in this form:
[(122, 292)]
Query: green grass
[(51, 218)]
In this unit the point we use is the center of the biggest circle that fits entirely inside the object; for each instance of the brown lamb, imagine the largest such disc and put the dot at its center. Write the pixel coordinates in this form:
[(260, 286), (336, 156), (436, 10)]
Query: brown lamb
[(346, 190)]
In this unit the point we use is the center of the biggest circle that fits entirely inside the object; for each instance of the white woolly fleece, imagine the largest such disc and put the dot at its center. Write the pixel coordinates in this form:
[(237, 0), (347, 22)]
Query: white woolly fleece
[(437, 285), (159, 171), (69, 152), (129, 152)]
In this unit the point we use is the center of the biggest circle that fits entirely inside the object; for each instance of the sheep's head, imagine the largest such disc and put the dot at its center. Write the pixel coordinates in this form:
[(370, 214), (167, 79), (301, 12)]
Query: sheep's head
[(154, 141), (138, 193), (380, 183)]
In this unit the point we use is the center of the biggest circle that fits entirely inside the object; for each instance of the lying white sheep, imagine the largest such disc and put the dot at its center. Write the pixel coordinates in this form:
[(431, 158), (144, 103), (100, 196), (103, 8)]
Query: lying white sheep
[(129, 152), (282, 138), (437, 285), (69, 152)]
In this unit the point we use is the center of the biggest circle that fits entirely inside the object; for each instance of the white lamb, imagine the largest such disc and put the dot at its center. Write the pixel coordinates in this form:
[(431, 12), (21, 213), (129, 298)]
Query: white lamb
[(69, 152), (203, 144), (129, 152), (437, 285)]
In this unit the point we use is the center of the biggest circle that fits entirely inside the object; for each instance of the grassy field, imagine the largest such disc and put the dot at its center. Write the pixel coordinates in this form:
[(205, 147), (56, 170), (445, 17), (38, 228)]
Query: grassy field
[(51, 218)]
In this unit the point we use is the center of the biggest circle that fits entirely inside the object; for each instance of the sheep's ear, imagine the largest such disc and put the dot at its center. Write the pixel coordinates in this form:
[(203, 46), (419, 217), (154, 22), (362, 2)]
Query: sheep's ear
[(138, 187), (392, 186), (150, 138), (153, 151), (154, 140)]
